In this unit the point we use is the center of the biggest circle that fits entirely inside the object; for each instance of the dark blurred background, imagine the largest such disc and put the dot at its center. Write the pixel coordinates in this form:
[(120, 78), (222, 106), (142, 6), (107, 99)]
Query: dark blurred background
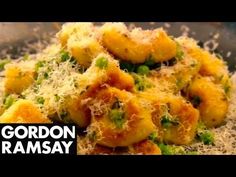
[(222, 36)]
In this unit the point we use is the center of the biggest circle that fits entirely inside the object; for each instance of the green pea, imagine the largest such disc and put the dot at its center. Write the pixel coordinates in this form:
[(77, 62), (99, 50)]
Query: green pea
[(143, 70), (102, 63)]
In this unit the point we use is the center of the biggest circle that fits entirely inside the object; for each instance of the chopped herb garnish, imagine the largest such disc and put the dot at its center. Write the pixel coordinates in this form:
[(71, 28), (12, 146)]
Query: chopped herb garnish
[(153, 137), (220, 77), (193, 64), (179, 52), (26, 57), (45, 75), (179, 82), (117, 116), (127, 66), (39, 80), (218, 55), (102, 63), (171, 149), (64, 56), (167, 121), (3, 63), (191, 153), (73, 61), (227, 88), (201, 126), (39, 65), (92, 136), (40, 100), (8, 101), (206, 137), (165, 149), (150, 62), (57, 98), (141, 83), (63, 115)]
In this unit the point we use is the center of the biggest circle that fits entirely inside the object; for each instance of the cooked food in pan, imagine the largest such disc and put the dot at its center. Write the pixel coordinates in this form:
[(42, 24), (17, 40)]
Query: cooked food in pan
[(128, 91)]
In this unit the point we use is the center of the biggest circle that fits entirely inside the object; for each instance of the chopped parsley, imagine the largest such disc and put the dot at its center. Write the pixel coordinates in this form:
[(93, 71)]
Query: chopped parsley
[(39, 64), (3, 63), (140, 82), (150, 62), (65, 56), (45, 75), (227, 88), (92, 136), (40, 100), (117, 116), (165, 149), (167, 121), (173, 150), (8, 101), (127, 66), (57, 98), (26, 57), (153, 137), (179, 52), (204, 135), (179, 82)]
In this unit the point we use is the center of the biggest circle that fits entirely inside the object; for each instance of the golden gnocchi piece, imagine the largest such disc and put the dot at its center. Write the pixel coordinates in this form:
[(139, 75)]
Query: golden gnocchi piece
[(175, 119), (84, 49), (145, 147), (78, 112), (210, 100), (182, 124), (17, 79), (23, 111), (82, 42), (125, 45), (210, 64), (138, 45), (176, 77), (122, 121), (111, 75), (105, 70), (163, 47), (102, 150), (70, 29)]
